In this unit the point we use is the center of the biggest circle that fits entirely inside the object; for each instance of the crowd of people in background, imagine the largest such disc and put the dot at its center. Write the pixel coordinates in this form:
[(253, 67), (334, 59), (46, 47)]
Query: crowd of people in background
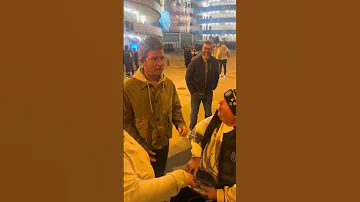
[(130, 57), (220, 52)]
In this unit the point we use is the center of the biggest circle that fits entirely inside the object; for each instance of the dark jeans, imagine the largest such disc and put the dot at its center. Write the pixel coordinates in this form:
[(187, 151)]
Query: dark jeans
[(222, 63), (187, 195), (129, 68), (161, 160), (196, 99), (136, 64)]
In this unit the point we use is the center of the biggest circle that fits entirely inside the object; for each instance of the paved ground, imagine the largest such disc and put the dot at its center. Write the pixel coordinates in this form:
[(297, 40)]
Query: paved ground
[(179, 152)]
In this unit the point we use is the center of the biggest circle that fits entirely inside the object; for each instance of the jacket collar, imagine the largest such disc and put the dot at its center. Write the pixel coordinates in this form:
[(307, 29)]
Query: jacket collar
[(139, 75)]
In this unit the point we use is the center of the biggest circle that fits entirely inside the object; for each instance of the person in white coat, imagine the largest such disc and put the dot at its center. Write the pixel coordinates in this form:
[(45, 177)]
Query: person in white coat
[(140, 183)]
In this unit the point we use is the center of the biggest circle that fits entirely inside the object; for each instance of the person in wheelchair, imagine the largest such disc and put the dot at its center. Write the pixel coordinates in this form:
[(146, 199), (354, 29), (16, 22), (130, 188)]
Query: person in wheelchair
[(213, 162)]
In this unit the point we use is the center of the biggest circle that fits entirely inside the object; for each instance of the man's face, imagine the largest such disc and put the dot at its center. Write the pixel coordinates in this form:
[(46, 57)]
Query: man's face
[(154, 63), (162, 2), (206, 50), (225, 114), (217, 45)]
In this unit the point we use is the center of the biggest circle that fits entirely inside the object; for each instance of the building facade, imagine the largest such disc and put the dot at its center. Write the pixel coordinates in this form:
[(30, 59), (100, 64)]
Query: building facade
[(141, 20), (215, 18)]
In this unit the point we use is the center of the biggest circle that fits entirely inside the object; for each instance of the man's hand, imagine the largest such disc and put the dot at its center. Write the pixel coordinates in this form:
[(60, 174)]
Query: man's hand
[(151, 154), (190, 180), (209, 192), (193, 165), (182, 131)]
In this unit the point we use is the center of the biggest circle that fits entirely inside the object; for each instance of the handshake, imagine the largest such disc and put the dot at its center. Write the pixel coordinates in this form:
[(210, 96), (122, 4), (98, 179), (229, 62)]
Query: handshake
[(203, 184)]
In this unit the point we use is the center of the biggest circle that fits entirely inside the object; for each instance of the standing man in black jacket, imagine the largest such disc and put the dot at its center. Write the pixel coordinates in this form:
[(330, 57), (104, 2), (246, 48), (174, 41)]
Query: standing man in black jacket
[(136, 58), (202, 76), (187, 55)]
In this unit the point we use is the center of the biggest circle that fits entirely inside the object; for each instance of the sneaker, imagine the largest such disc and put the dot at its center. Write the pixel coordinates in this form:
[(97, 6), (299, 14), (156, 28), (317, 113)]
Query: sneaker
[(224, 76)]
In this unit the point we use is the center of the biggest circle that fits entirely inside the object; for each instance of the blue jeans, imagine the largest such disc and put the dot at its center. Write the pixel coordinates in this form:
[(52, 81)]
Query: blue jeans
[(196, 99)]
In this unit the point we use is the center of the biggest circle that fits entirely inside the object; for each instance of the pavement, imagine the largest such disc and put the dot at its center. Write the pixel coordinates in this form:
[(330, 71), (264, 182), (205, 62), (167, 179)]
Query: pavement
[(179, 148)]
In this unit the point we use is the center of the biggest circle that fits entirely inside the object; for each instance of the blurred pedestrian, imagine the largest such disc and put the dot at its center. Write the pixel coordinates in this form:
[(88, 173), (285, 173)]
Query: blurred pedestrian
[(128, 61), (136, 58), (224, 55), (187, 55), (193, 51), (216, 54)]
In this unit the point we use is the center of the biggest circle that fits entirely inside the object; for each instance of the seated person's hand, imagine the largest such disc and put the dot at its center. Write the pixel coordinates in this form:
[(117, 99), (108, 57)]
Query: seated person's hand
[(193, 165)]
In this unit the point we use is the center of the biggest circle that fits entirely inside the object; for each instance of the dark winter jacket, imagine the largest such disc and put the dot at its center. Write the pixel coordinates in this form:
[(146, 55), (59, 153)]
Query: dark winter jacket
[(195, 75)]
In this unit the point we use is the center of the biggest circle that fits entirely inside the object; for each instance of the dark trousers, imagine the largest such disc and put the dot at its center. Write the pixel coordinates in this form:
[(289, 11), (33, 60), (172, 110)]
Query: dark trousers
[(187, 195), (129, 68), (222, 63), (196, 99), (136, 64), (161, 160)]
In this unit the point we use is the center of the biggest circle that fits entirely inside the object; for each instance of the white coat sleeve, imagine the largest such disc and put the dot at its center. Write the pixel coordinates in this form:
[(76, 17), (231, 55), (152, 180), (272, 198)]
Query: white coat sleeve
[(197, 135), (228, 194), (157, 189)]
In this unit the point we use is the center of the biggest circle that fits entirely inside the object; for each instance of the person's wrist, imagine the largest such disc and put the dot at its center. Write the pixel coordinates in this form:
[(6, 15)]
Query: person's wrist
[(196, 159)]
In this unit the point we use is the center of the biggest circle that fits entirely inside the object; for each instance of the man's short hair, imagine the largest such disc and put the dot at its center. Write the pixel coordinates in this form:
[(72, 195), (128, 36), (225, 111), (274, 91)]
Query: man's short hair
[(126, 47), (209, 42), (150, 43)]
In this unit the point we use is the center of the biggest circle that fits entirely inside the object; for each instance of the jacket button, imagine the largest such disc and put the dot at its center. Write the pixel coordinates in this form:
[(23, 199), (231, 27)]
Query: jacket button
[(156, 101), (159, 137), (157, 119)]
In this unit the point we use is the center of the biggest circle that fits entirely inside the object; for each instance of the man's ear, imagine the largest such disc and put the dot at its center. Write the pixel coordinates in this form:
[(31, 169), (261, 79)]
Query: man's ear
[(142, 61)]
